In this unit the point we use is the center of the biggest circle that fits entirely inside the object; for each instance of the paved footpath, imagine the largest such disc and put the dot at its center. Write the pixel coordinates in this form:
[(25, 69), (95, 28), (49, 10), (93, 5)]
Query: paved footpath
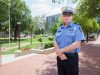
[(45, 64)]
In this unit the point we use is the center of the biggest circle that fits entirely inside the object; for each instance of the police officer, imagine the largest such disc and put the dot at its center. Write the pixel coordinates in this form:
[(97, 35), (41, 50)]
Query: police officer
[(68, 39)]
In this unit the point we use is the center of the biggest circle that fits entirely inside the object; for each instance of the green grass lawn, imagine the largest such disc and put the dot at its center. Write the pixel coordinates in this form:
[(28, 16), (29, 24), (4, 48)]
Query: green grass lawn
[(25, 43), (12, 51), (13, 43)]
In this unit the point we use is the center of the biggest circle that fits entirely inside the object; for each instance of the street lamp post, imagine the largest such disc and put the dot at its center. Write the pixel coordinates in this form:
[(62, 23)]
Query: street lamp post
[(9, 22), (31, 35), (18, 23)]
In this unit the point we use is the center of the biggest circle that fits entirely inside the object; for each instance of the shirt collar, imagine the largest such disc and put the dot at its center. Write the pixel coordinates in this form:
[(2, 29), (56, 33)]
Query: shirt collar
[(70, 25)]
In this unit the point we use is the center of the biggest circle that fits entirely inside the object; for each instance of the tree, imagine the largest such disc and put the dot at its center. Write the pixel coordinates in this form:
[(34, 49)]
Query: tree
[(89, 8), (40, 22), (31, 28), (3, 14), (90, 12), (19, 13), (89, 25), (54, 27)]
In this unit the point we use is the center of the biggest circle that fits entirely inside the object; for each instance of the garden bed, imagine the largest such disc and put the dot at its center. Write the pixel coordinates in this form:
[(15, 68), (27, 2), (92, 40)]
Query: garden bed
[(44, 51)]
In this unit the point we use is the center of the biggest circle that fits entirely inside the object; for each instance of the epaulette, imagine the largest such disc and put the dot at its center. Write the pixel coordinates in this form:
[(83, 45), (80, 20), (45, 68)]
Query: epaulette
[(77, 23)]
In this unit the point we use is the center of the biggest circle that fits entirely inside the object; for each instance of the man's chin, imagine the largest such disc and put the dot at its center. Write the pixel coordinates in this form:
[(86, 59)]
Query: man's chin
[(67, 22)]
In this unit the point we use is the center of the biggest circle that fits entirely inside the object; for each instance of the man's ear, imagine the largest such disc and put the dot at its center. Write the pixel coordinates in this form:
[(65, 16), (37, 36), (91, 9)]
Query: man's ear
[(72, 16)]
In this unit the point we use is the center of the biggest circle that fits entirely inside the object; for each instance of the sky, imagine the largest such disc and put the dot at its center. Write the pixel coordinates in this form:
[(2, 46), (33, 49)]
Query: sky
[(46, 7)]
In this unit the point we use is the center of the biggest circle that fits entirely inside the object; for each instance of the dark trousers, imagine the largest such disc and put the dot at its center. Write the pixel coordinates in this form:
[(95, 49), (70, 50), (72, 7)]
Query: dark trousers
[(69, 66)]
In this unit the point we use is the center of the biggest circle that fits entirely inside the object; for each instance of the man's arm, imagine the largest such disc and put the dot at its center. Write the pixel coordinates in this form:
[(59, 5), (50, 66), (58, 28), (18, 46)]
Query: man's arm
[(72, 47), (69, 48), (56, 47)]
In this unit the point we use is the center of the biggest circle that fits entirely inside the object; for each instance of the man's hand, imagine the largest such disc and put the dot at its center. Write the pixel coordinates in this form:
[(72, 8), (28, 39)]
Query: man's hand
[(63, 57), (59, 52)]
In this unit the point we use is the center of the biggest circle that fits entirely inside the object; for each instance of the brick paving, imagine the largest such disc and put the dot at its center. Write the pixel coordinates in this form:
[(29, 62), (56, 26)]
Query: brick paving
[(45, 64)]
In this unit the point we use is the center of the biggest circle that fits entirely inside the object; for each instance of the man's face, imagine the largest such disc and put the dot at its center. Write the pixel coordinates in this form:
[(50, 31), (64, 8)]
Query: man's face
[(67, 18)]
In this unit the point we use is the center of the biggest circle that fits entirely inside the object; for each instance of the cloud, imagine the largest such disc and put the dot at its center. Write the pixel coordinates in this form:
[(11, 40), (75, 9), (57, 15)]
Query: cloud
[(46, 7), (44, 1)]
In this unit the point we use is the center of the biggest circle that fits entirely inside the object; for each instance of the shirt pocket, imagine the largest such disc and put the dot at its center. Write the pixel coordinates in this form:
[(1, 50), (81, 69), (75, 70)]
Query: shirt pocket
[(69, 37), (70, 34)]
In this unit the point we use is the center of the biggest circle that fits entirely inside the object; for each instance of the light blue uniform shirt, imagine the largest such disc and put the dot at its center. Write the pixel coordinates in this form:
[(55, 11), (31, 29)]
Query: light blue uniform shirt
[(66, 35)]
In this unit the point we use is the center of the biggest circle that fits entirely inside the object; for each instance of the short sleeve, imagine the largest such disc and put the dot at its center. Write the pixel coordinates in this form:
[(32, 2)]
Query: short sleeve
[(79, 35), (56, 34)]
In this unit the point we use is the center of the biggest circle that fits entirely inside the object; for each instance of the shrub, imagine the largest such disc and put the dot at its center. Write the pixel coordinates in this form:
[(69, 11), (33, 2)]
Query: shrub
[(50, 38), (48, 45), (40, 39)]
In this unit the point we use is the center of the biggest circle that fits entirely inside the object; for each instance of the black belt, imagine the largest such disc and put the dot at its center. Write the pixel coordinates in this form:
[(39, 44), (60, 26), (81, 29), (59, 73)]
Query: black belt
[(71, 54)]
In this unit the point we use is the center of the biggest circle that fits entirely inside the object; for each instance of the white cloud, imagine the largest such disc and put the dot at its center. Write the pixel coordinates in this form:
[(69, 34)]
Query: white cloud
[(46, 7), (44, 1)]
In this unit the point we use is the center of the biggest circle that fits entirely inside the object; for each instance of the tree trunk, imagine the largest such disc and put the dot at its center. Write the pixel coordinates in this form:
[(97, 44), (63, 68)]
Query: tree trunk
[(31, 38), (15, 32), (87, 36)]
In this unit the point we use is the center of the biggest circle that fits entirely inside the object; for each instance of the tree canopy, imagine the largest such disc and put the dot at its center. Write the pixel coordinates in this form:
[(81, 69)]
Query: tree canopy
[(17, 12)]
